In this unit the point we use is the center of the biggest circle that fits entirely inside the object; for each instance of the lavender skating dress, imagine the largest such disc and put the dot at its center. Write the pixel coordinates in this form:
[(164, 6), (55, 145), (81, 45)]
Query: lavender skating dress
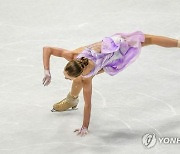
[(117, 52)]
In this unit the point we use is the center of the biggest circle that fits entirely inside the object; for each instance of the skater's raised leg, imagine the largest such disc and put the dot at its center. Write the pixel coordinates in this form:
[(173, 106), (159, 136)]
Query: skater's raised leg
[(160, 41), (178, 44)]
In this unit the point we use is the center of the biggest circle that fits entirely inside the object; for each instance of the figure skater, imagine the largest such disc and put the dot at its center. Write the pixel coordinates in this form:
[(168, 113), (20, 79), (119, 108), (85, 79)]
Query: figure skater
[(111, 55)]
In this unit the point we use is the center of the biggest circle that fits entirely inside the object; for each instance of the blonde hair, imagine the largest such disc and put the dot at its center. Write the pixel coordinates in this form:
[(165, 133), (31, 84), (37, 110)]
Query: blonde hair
[(75, 67)]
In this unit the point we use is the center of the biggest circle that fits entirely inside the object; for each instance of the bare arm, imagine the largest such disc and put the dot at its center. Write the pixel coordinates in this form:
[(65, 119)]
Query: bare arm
[(87, 93), (58, 52)]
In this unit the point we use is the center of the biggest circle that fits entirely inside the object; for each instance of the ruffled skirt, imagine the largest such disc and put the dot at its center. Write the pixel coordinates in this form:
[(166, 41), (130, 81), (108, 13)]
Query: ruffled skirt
[(124, 49), (117, 52)]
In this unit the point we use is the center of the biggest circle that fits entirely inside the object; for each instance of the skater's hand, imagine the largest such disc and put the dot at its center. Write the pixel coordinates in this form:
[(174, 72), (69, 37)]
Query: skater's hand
[(47, 78), (82, 131)]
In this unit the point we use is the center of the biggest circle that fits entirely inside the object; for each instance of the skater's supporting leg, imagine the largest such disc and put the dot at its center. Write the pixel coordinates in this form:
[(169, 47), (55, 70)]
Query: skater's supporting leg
[(72, 99), (160, 41), (76, 87)]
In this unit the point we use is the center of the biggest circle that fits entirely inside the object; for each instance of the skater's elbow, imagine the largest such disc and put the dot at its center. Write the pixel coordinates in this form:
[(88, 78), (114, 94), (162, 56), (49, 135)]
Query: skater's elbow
[(47, 50)]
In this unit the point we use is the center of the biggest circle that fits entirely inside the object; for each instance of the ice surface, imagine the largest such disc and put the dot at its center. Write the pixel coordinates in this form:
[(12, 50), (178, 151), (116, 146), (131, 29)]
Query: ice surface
[(144, 98)]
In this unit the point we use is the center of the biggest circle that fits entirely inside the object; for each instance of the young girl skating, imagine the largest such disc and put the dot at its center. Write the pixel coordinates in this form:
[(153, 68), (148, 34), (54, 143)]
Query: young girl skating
[(111, 55)]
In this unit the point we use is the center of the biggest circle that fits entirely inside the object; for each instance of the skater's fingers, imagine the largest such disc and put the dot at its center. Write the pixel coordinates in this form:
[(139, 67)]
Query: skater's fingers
[(76, 130), (44, 79), (47, 83), (44, 83), (82, 134), (79, 133)]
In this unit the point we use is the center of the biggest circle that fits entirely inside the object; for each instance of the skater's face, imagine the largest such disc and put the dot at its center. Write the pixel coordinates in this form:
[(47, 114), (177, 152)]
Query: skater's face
[(67, 76)]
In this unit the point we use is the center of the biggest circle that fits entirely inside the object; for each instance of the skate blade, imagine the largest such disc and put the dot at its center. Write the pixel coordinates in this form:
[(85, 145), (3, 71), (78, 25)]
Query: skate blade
[(70, 109), (53, 110)]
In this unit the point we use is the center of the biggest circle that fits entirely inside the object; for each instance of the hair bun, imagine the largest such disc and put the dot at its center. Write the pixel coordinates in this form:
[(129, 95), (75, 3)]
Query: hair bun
[(84, 62)]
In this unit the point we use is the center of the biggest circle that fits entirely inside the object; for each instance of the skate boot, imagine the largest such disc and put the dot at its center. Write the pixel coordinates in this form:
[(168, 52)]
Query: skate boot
[(68, 102)]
